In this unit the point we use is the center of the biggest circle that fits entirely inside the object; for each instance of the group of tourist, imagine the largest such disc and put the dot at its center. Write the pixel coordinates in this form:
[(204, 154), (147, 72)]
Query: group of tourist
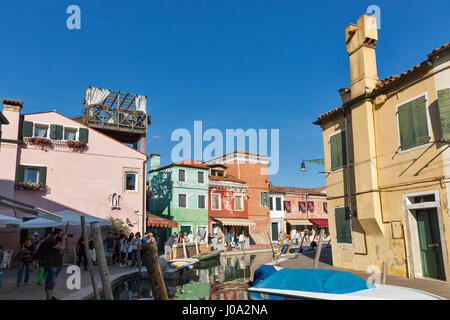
[(178, 238), (234, 241)]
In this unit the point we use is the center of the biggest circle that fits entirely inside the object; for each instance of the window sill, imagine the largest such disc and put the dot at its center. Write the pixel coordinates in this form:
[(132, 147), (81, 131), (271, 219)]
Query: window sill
[(30, 186), (415, 148)]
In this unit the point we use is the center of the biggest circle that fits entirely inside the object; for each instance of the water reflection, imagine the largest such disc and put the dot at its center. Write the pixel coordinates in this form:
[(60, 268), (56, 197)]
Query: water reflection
[(220, 279)]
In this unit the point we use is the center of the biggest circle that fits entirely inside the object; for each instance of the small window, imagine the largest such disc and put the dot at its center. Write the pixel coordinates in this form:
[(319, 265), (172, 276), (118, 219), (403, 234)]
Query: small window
[(181, 175), (264, 199), (40, 130), (130, 181), (338, 150), (214, 173), (31, 175), (220, 173), (238, 203), (325, 207), (413, 123), (201, 202), (201, 177), (343, 225), (70, 133), (181, 201), (215, 203), (302, 206), (278, 203)]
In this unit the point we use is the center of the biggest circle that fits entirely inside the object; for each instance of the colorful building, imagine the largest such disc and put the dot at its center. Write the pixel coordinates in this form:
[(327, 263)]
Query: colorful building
[(179, 193), (228, 205), (386, 158), (297, 209), (53, 162), (253, 169)]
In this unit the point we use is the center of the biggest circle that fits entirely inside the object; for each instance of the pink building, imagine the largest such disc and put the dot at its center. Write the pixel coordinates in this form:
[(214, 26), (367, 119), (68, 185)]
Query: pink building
[(53, 162)]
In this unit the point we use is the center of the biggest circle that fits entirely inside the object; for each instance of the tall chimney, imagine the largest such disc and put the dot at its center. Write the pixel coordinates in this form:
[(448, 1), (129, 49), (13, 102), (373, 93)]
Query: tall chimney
[(360, 42), (11, 111), (155, 160)]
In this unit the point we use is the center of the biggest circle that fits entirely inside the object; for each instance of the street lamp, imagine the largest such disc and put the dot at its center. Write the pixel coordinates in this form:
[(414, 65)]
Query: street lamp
[(316, 161)]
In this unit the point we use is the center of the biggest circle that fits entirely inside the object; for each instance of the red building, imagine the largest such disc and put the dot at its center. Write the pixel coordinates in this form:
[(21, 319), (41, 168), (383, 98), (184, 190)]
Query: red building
[(228, 203)]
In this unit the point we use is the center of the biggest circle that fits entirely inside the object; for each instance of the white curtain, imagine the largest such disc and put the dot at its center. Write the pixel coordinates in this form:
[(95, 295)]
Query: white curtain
[(96, 95), (141, 103)]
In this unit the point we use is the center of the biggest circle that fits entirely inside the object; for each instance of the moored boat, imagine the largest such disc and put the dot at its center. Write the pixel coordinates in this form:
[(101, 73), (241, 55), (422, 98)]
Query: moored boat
[(324, 284), (174, 268), (206, 256)]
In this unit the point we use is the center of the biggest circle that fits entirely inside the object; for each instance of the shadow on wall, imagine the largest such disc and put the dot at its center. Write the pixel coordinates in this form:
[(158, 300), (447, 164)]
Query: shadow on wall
[(162, 186)]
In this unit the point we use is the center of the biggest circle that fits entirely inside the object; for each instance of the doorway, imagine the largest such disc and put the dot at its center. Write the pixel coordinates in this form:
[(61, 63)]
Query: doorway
[(274, 231), (430, 244)]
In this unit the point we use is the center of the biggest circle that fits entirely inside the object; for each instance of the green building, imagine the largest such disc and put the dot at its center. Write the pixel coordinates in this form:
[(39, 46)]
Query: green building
[(179, 193)]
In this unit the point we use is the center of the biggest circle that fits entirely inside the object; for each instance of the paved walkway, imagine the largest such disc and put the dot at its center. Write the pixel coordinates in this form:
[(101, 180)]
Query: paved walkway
[(32, 291), (306, 260)]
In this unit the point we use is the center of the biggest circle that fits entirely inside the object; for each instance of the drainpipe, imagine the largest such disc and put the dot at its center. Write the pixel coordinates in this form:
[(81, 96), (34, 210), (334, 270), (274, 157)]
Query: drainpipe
[(349, 190), (144, 198)]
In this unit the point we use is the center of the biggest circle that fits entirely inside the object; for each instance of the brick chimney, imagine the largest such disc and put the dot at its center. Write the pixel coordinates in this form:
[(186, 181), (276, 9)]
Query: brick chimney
[(11, 111), (360, 42), (155, 160)]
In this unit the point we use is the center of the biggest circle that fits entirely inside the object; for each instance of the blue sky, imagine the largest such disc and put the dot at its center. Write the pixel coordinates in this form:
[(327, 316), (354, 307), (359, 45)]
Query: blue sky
[(229, 63)]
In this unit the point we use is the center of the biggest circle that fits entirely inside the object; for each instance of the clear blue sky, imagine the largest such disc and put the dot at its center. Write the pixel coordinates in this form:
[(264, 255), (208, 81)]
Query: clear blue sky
[(230, 63)]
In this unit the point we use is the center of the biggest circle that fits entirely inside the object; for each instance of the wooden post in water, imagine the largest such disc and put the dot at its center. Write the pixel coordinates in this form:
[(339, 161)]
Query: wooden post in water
[(319, 248), (383, 275), (101, 260), (184, 249), (196, 246), (88, 259), (155, 277)]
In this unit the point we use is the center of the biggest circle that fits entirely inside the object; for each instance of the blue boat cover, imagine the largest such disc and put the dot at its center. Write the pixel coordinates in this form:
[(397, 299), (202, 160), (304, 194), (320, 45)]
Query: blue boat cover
[(262, 273), (314, 280)]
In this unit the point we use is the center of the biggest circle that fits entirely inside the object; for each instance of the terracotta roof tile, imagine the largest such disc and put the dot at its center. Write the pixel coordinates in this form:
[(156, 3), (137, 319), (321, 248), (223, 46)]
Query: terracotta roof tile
[(226, 178), (386, 81), (320, 190)]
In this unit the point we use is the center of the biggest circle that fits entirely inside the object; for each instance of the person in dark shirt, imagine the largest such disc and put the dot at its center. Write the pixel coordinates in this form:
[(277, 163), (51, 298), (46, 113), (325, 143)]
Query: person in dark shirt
[(109, 248), (168, 246), (54, 248), (25, 258), (81, 253)]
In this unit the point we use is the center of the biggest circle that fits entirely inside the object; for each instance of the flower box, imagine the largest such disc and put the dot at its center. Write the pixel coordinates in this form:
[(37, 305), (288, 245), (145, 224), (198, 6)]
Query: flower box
[(76, 144), (40, 141), (33, 186)]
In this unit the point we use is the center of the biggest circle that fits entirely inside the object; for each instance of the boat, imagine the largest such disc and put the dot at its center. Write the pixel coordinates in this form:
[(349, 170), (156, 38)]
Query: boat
[(272, 283), (174, 268), (203, 257)]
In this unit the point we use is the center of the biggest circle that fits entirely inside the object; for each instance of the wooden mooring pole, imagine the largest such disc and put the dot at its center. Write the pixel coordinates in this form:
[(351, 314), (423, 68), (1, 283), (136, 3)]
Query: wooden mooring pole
[(155, 277), (319, 248), (101, 260), (89, 260)]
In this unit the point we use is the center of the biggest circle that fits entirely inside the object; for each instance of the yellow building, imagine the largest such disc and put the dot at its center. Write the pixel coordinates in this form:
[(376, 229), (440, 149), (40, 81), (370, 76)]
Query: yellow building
[(387, 162)]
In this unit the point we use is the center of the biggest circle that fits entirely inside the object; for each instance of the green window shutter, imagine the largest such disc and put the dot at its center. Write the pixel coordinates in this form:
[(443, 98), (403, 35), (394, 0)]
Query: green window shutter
[(420, 121), (43, 175), (261, 199), (56, 132), (343, 225), (83, 135), (413, 123), (27, 129), (338, 150), (271, 204), (444, 111), (267, 199), (20, 173)]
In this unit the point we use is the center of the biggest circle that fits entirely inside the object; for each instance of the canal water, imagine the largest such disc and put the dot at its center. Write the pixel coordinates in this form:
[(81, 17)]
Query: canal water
[(225, 278)]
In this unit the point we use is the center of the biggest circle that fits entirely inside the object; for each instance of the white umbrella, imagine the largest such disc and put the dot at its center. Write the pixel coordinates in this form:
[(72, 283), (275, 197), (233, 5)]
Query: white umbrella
[(8, 220), (40, 223), (72, 218)]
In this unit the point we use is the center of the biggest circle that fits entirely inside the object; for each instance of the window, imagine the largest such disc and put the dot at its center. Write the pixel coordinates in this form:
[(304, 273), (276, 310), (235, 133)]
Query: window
[(181, 201), (311, 206), (238, 203), (34, 174), (278, 204), (202, 230), (413, 123), (264, 199), (325, 207), (131, 181), (287, 205), (444, 112), (302, 206), (215, 203), (201, 202), (338, 150), (40, 130), (343, 225), (181, 175), (115, 201), (201, 177), (70, 133), (31, 175)]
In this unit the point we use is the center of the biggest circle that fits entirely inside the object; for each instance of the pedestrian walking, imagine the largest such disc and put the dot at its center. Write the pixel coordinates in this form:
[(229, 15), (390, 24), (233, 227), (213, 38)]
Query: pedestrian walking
[(25, 259), (168, 246), (109, 248), (81, 253)]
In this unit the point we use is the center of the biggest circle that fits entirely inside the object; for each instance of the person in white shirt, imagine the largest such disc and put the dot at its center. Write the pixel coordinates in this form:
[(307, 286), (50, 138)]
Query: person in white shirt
[(241, 241), (190, 237)]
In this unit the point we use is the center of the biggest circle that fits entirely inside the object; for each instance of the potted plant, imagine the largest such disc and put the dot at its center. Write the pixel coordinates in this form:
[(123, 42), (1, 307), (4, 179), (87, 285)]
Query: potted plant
[(76, 144), (33, 186), (40, 141)]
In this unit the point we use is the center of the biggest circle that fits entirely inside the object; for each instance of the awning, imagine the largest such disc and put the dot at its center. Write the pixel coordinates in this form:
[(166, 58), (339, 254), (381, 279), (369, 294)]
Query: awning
[(160, 222), (26, 208), (287, 206), (299, 222), (311, 205), (8, 220), (321, 223), (73, 218), (244, 222), (40, 223), (302, 206)]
